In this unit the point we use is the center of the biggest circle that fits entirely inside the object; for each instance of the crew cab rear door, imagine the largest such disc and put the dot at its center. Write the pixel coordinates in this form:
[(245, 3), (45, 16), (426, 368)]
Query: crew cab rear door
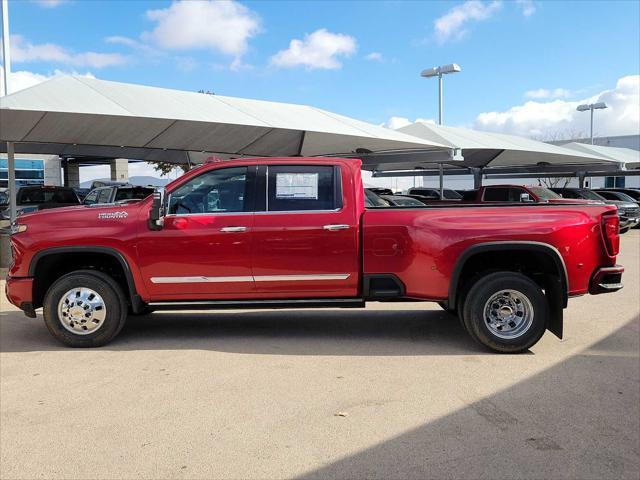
[(306, 232)]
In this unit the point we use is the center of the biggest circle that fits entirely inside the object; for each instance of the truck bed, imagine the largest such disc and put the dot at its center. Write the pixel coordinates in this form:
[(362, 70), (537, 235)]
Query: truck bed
[(422, 244)]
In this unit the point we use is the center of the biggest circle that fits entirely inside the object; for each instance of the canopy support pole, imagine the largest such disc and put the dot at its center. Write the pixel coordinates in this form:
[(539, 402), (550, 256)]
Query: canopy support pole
[(441, 173), (581, 176), (11, 184), (477, 178)]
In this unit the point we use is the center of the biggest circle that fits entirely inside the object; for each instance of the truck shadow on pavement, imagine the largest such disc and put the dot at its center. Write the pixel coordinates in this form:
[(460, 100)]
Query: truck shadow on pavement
[(278, 332), (576, 419)]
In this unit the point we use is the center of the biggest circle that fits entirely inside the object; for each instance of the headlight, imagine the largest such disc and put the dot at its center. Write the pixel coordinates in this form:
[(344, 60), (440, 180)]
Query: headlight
[(17, 228)]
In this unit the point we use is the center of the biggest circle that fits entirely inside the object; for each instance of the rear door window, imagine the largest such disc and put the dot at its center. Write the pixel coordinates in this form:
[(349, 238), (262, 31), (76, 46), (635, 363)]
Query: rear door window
[(499, 194), (303, 187)]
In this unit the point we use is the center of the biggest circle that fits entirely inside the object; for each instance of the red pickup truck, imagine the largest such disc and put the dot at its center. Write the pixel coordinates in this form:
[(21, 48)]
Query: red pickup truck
[(517, 193), (294, 232)]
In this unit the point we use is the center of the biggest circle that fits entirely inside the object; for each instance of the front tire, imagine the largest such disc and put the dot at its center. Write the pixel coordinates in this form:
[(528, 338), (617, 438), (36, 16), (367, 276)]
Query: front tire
[(506, 312), (85, 308)]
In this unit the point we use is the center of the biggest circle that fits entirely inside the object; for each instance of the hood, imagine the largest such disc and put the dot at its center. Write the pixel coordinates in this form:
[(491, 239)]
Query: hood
[(621, 203), (43, 209), (88, 212), (574, 201)]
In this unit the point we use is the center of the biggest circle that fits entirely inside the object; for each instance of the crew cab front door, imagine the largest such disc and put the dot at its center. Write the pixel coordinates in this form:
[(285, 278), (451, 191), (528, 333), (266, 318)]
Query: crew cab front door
[(204, 249), (306, 234)]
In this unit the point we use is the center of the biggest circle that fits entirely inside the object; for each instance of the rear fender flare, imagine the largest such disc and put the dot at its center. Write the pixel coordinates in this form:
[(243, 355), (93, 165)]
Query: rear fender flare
[(538, 247)]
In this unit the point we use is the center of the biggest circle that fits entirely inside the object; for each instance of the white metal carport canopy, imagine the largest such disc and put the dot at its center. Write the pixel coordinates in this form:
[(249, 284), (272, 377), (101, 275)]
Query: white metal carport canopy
[(487, 149), (83, 117), (627, 158)]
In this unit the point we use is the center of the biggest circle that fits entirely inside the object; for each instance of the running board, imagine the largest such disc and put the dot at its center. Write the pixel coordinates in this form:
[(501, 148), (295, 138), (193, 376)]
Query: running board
[(258, 304)]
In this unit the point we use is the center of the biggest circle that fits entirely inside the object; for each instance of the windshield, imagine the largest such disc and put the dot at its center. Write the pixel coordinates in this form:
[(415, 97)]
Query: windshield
[(4, 198), (405, 201), (544, 193), (590, 195), (34, 196), (451, 194), (373, 200), (616, 196), (135, 193)]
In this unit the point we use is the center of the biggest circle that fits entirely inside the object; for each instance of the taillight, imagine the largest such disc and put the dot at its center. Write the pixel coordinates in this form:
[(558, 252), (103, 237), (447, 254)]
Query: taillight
[(611, 233)]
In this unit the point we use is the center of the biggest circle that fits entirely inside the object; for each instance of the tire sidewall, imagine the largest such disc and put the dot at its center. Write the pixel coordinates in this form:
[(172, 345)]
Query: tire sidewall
[(114, 303), (483, 289)]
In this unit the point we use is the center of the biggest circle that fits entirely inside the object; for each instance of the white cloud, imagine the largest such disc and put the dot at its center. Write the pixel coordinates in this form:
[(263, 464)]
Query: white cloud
[(126, 41), (22, 52), (374, 57), (318, 50), (24, 79), (549, 119), (223, 26), (50, 3), (527, 6), (398, 122), (452, 24), (545, 93)]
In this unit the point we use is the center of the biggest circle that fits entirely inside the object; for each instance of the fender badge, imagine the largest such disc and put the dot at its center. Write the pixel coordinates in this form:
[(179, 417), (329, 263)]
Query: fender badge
[(112, 215)]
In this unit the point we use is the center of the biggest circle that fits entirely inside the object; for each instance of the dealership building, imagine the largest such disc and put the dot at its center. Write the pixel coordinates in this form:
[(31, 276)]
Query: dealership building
[(52, 170)]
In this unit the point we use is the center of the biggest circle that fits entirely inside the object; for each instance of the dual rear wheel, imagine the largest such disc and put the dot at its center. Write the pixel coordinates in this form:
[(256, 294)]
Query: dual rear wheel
[(505, 311)]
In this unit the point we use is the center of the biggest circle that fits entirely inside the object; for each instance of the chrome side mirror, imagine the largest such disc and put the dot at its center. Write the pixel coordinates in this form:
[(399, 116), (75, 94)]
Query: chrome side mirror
[(525, 198), (158, 209)]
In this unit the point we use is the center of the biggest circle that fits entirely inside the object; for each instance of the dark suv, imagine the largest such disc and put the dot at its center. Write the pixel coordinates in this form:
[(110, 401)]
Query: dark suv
[(32, 198), (117, 193), (628, 211), (632, 192), (627, 205)]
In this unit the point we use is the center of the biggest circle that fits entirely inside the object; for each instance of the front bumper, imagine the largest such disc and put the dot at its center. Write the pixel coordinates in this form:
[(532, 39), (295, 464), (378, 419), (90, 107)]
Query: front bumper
[(606, 280), (19, 291)]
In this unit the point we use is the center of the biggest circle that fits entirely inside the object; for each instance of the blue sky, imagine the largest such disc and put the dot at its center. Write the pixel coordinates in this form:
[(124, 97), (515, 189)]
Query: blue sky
[(505, 50), (526, 64)]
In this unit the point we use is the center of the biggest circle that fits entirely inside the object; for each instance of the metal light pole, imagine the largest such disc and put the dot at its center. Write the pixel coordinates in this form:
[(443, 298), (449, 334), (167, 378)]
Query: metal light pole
[(6, 48), (439, 72), (6, 62), (591, 107)]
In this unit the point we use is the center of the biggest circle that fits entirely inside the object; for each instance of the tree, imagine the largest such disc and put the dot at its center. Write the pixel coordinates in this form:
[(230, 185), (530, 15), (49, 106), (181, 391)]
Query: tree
[(567, 135), (555, 182), (165, 168)]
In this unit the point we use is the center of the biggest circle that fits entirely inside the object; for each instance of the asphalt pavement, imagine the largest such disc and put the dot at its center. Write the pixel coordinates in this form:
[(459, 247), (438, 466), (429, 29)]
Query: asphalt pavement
[(394, 391)]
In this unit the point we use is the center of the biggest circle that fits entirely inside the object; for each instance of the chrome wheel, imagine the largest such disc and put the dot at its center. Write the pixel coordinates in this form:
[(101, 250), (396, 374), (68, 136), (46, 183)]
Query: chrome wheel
[(508, 314), (81, 311)]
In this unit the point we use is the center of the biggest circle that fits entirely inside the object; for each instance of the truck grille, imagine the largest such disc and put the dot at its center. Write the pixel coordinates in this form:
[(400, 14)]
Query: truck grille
[(630, 212)]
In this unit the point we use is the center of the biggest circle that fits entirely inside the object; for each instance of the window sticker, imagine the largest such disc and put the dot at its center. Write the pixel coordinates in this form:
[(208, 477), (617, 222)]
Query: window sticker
[(297, 185)]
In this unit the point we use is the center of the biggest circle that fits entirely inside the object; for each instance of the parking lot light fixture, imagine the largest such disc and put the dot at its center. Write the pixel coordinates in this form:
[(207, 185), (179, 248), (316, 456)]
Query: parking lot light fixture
[(591, 107), (439, 72)]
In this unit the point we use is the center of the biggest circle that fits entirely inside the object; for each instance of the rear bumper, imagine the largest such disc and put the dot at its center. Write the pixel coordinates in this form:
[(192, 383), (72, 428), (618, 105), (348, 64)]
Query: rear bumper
[(19, 292), (606, 280)]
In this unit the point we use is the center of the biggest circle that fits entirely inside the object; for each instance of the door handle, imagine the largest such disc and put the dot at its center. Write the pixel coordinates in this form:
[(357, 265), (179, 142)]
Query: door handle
[(233, 229), (334, 227)]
